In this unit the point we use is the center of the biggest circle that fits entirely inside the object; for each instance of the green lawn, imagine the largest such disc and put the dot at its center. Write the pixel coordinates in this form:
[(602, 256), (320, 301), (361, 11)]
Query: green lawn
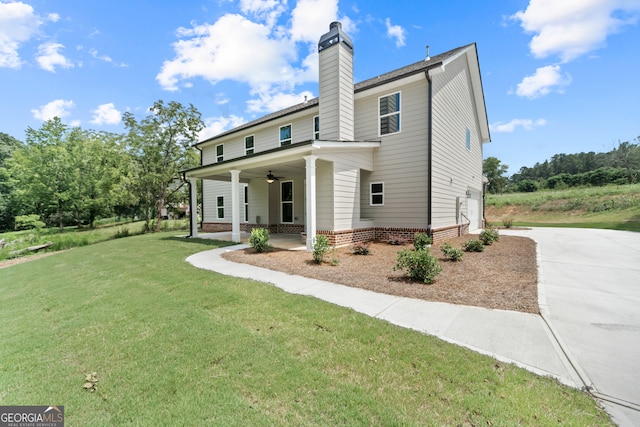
[(174, 345)]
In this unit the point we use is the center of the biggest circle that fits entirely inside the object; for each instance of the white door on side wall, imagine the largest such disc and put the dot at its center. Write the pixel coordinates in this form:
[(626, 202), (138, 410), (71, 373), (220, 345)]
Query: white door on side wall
[(474, 209)]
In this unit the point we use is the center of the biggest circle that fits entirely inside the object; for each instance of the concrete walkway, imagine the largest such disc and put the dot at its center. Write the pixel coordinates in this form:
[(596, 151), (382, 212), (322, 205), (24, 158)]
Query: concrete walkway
[(530, 341)]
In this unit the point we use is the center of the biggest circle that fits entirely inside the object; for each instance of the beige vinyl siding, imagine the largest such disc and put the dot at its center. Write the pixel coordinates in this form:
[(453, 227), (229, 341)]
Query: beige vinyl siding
[(401, 160), (324, 195), (336, 92), (455, 169), (258, 201), (214, 189)]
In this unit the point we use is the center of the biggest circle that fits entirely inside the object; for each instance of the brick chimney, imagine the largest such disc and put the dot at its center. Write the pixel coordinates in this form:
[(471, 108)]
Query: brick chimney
[(335, 51)]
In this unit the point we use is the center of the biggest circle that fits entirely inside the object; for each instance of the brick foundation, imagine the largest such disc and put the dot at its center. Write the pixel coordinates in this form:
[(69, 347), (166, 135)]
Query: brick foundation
[(347, 237)]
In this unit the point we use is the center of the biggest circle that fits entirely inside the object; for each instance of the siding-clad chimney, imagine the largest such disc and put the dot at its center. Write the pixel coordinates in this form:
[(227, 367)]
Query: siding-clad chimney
[(335, 50)]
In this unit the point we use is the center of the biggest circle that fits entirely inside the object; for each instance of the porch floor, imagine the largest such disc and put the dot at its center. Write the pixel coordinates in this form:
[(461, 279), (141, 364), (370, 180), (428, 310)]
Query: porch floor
[(280, 241)]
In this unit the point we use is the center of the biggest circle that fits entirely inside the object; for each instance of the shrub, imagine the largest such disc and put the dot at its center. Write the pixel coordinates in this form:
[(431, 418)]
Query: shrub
[(421, 241), (473, 245), (122, 232), (259, 239), (360, 248), (397, 240), (421, 264), (454, 254), (320, 248), (489, 235), (507, 222), (28, 222)]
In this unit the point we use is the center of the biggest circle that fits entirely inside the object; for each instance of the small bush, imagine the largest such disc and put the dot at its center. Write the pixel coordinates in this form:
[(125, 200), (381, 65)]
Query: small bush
[(122, 232), (28, 222), (454, 254), (259, 239), (320, 248), (507, 222), (489, 235), (421, 264), (421, 241), (473, 245), (360, 248), (397, 240)]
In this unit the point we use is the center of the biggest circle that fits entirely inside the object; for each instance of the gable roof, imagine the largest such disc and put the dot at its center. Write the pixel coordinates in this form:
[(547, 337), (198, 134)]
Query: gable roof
[(406, 71)]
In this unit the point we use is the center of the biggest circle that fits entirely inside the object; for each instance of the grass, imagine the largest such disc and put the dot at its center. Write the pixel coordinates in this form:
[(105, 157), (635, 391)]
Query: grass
[(174, 345), (73, 237), (610, 207)]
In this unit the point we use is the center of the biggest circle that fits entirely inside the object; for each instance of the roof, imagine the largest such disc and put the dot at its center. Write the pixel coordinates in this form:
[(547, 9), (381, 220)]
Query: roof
[(400, 73)]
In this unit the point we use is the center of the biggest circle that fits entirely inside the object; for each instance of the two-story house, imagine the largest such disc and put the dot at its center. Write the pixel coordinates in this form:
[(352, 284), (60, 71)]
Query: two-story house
[(396, 154)]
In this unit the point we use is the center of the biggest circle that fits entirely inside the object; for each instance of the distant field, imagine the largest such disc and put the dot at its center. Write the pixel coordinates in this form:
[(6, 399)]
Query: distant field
[(610, 207)]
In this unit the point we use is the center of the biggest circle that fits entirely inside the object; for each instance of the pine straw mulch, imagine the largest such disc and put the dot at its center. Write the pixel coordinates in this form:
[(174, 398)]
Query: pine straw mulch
[(504, 276)]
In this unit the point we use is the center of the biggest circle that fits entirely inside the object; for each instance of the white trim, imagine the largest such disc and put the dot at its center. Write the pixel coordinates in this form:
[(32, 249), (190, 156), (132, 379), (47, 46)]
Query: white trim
[(398, 113), (371, 193), (290, 135), (245, 144), (219, 158), (292, 203), (218, 207)]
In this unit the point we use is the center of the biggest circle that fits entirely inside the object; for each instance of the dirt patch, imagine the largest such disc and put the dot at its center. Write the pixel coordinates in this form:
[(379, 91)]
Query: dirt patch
[(504, 276), (14, 261)]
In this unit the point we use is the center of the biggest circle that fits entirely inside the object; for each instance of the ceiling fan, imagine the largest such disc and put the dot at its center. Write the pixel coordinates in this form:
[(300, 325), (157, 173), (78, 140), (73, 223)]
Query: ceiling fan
[(271, 178)]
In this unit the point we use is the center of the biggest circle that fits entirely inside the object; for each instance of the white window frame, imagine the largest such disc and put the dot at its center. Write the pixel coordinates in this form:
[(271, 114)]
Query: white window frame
[(220, 157), (282, 202), (218, 207), (253, 149), (316, 132), (290, 140), (398, 113), (245, 196), (371, 193)]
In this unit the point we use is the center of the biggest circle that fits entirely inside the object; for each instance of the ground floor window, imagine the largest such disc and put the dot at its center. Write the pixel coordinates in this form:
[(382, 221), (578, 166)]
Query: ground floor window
[(377, 194), (246, 203), (286, 199), (220, 207)]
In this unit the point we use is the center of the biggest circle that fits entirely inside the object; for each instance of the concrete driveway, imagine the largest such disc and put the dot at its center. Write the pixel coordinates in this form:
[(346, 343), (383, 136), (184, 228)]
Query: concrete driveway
[(589, 293)]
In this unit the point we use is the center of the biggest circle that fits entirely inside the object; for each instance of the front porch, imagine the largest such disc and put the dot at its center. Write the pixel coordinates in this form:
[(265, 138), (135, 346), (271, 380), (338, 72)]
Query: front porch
[(291, 242)]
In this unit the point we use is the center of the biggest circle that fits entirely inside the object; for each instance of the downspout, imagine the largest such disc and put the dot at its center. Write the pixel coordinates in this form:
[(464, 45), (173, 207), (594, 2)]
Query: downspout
[(437, 69), (429, 153)]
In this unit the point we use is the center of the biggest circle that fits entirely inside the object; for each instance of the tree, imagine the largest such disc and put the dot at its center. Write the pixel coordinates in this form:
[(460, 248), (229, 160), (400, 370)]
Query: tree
[(8, 205), (495, 171), (43, 171), (161, 145)]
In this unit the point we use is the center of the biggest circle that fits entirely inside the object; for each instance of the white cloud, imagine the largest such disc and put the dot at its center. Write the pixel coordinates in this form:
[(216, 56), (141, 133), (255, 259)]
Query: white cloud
[(57, 108), (542, 82), (216, 125), (395, 32), (93, 52), (232, 48), (49, 57), (18, 23), (106, 114), (526, 124), (310, 19), (53, 17), (276, 101), (571, 28), (266, 10)]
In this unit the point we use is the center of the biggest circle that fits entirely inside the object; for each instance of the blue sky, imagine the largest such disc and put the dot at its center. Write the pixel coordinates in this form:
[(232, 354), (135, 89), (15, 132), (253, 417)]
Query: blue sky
[(558, 76)]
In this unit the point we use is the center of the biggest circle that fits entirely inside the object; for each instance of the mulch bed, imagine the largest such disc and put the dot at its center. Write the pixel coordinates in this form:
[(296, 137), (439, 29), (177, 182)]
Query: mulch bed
[(504, 276)]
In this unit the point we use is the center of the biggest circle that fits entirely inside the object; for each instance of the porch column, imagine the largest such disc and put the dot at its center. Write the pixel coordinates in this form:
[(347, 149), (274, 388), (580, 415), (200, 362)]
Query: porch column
[(193, 206), (235, 208), (311, 200)]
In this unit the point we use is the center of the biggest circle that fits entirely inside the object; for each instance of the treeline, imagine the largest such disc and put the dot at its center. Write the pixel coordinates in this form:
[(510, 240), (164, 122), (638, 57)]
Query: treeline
[(618, 166), (69, 176)]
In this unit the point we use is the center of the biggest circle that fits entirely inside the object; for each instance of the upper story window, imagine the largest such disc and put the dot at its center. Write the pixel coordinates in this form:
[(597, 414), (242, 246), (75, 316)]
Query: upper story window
[(316, 127), (389, 113), (249, 144), (285, 135), (219, 153), (377, 194), (468, 139)]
